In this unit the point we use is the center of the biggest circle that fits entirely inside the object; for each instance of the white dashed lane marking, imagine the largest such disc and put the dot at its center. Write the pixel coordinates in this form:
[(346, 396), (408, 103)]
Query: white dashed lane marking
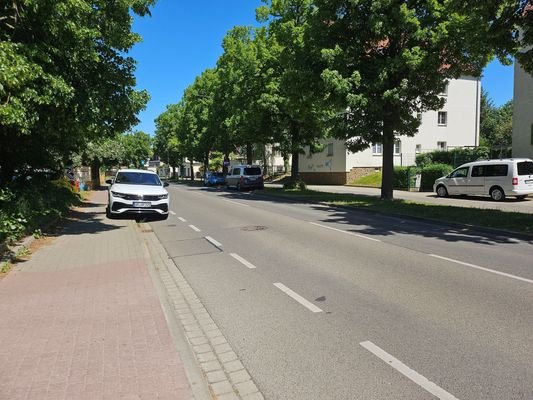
[(295, 296), (408, 372), (243, 261), (182, 219), (213, 241), (194, 228)]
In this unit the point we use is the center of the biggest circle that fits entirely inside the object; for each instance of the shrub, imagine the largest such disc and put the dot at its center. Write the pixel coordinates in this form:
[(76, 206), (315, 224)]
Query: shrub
[(432, 172), (295, 185), (454, 157), (404, 177), (26, 205)]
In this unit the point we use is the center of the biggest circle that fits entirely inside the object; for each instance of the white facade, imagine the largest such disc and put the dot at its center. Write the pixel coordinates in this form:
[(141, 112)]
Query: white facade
[(456, 125), (522, 113)]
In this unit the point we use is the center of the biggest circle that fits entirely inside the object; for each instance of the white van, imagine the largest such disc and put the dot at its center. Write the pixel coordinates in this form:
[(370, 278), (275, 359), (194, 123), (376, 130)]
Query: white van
[(494, 178)]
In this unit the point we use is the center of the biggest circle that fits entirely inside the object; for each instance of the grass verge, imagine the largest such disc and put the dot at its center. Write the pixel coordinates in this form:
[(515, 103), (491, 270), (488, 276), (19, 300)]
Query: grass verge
[(512, 221)]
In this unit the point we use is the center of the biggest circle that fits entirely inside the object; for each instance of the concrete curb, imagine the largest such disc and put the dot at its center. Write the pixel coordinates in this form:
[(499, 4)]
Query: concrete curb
[(224, 374)]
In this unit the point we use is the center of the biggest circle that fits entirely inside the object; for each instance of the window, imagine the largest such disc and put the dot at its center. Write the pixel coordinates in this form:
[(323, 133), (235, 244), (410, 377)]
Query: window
[(419, 116), (478, 171), (442, 118), (496, 170), (397, 147), (252, 171), (418, 148), (525, 168), (376, 148), (442, 146), (330, 149), (459, 173), (236, 171)]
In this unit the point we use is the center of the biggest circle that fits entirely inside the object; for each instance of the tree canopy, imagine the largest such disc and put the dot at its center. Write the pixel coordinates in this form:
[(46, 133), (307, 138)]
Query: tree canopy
[(359, 71), (66, 78)]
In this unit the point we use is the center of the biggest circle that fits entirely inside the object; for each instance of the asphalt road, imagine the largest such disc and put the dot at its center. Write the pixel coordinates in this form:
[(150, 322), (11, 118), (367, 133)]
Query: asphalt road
[(327, 303)]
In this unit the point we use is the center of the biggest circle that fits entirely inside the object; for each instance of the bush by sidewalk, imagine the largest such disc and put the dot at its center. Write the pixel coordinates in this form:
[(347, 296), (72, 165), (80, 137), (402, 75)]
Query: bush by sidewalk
[(29, 205)]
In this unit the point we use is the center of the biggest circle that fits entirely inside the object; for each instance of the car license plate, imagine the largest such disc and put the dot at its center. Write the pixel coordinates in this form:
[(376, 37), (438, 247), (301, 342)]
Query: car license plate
[(141, 204)]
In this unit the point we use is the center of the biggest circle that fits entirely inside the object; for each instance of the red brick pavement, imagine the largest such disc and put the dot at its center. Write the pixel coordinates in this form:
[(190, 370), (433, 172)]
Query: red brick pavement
[(93, 331)]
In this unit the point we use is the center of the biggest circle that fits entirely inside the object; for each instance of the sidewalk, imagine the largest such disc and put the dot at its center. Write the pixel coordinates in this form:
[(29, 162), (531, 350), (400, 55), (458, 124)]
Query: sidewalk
[(82, 318)]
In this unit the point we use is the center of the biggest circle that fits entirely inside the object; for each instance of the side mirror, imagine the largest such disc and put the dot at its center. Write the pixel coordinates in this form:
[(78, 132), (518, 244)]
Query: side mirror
[(109, 181), (165, 184)]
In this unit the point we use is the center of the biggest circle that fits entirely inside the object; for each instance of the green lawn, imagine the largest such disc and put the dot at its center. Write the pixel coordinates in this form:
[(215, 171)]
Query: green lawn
[(512, 221), (371, 180)]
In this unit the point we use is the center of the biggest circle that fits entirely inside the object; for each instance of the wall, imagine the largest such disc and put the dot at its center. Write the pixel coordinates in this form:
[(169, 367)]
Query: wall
[(522, 113)]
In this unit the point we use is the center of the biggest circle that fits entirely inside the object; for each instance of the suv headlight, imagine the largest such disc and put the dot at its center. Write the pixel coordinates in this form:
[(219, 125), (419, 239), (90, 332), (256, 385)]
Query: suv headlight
[(117, 194), (162, 196)]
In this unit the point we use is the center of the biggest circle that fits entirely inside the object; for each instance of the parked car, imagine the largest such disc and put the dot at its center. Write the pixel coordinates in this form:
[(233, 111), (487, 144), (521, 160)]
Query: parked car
[(494, 178), (139, 192), (214, 179), (245, 177)]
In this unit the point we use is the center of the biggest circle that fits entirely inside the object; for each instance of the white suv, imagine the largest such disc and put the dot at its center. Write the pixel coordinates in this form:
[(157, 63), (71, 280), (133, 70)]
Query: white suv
[(137, 191)]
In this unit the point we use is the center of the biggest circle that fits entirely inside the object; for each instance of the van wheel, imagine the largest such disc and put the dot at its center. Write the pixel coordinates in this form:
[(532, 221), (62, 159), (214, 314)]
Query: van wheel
[(442, 191), (497, 194)]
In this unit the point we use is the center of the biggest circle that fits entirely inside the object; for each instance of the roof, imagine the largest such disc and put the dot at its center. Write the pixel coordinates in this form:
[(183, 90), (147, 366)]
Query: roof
[(145, 171)]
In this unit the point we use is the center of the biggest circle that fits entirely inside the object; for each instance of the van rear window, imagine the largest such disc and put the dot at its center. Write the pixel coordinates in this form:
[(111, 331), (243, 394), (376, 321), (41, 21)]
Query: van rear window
[(525, 168), (252, 171)]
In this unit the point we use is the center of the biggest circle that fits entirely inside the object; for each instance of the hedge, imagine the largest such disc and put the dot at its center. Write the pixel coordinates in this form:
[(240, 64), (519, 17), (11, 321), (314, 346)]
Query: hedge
[(404, 177), (432, 172), (454, 157)]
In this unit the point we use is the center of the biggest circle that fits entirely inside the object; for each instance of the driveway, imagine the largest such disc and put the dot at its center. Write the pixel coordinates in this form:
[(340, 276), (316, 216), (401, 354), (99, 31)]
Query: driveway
[(510, 204)]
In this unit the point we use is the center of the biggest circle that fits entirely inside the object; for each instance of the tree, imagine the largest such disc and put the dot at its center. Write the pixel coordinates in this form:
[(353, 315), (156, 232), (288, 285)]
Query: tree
[(166, 143), (389, 59), (296, 98), (496, 124), (137, 148), (241, 113), (66, 78)]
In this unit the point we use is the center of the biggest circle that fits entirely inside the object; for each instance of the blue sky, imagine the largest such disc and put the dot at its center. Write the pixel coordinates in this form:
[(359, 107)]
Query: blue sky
[(183, 38)]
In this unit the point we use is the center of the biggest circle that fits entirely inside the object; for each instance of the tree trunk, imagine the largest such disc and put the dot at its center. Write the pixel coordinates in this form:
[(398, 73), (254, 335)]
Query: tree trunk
[(191, 163), (295, 167), (95, 174), (206, 162), (225, 167), (173, 172), (249, 153), (295, 145), (388, 160)]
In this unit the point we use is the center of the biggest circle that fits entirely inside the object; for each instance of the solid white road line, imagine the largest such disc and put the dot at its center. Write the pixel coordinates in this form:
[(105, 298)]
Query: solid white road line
[(213, 241), (194, 228), (519, 278), (307, 304), (346, 232), (242, 261), (182, 219), (235, 202), (408, 372), (172, 212)]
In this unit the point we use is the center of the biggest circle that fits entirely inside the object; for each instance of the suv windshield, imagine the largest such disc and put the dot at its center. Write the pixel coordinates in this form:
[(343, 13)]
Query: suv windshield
[(525, 168), (137, 178), (252, 171)]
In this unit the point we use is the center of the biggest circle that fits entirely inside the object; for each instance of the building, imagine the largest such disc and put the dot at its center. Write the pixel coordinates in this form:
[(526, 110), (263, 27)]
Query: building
[(456, 125), (522, 113)]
